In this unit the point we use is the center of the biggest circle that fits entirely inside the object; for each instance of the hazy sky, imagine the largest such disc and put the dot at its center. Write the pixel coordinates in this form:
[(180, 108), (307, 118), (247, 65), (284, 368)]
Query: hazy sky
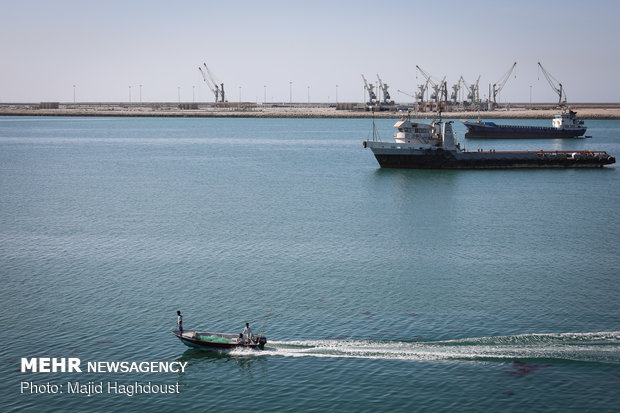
[(103, 47)]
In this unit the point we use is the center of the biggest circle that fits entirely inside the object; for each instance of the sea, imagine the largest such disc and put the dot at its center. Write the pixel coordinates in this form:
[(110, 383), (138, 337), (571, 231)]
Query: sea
[(377, 289)]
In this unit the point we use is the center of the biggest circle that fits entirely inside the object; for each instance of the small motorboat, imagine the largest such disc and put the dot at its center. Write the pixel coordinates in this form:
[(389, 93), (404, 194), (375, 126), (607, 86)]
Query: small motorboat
[(216, 341)]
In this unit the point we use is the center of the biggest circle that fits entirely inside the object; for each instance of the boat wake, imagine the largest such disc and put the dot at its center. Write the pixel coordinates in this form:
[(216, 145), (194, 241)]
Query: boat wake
[(586, 347)]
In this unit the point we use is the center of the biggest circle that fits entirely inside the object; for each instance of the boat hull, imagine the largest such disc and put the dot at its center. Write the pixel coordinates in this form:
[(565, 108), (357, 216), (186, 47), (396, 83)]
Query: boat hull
[(477, 130), (190, 340), (408, 157)]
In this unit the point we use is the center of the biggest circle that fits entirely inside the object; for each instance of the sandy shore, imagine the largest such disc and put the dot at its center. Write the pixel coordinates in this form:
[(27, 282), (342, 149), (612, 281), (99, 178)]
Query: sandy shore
[(290, 112)]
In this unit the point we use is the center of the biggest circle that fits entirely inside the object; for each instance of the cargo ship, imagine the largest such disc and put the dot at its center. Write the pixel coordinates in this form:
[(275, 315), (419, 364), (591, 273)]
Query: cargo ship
[(564, 125), (438, 149)]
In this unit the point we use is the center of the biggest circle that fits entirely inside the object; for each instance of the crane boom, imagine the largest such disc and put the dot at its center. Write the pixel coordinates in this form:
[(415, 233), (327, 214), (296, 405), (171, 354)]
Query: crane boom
[(219, 88), (499, 85), (426, 76), (213, 89), (558, 89), (405, 93)]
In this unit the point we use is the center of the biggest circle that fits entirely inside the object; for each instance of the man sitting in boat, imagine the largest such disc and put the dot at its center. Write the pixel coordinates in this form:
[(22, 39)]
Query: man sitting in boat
[(247, 333), (241, 340), (180, 321)]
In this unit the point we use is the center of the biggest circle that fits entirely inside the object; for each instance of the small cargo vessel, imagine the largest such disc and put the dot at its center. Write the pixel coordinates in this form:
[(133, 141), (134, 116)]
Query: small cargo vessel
[(439, 150), (564, 125), (217, 341)]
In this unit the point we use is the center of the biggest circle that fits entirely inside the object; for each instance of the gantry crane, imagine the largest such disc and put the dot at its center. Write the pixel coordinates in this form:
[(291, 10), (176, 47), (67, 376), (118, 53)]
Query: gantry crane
[(497, 87), (558, 89), (371, 93)]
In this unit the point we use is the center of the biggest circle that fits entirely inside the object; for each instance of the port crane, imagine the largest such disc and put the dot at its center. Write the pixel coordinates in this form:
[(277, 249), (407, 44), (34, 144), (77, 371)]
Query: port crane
[(439, 89), (440, 92), (473, 93), (552, 81), (218, 91), (386, 94), (215, 89), (499, 85), (469, 95), (473, 96), (456, 88), (371, 93), (421, 91), (476, 90), (418, 97)]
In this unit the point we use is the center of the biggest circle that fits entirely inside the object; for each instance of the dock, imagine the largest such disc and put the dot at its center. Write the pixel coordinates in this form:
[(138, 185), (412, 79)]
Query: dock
[(587, 111)]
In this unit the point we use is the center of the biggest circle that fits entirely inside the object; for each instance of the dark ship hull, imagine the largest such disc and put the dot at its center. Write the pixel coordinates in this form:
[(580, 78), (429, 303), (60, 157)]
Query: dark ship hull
[(481, 130), (401, 156)]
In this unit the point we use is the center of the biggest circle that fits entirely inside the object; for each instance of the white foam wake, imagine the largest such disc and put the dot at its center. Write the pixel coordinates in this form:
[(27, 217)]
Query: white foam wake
[(600, 346)]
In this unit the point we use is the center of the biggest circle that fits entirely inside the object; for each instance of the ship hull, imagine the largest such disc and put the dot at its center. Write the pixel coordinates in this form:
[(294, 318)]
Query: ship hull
[(408, 157), (485, 131)]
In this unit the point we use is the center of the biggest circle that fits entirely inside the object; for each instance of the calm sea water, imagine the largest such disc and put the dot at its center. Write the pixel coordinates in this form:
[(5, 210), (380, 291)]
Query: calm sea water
[(388, 289)]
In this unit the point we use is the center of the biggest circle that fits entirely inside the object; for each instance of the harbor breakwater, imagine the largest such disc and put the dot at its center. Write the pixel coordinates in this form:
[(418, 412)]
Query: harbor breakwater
[(605, 111)]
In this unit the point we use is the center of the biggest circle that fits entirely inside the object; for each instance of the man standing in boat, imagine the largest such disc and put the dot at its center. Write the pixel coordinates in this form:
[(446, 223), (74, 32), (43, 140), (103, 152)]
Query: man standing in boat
[(247, 333), (180, 321)]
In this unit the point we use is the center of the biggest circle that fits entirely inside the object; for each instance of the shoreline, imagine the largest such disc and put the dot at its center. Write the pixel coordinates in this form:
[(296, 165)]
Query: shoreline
[(606, 113)]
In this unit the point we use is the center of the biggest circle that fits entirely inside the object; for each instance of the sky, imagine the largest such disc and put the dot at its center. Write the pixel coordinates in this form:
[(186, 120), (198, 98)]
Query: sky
[(318, 49)]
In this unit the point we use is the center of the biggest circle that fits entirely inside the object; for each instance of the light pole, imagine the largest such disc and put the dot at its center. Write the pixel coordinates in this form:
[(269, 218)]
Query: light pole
[(290, 91), (308, 94), (265, 97), (193, 95), (179, 93), (336, 93), (129, 94), (239, 94), (530, 95), (74, 94)]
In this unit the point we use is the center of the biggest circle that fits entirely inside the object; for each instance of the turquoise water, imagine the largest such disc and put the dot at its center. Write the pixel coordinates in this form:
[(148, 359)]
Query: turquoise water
[(388, 289)]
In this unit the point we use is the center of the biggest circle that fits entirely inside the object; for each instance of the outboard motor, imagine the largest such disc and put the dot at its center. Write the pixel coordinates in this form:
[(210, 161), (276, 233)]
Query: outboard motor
[(261, 342)]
